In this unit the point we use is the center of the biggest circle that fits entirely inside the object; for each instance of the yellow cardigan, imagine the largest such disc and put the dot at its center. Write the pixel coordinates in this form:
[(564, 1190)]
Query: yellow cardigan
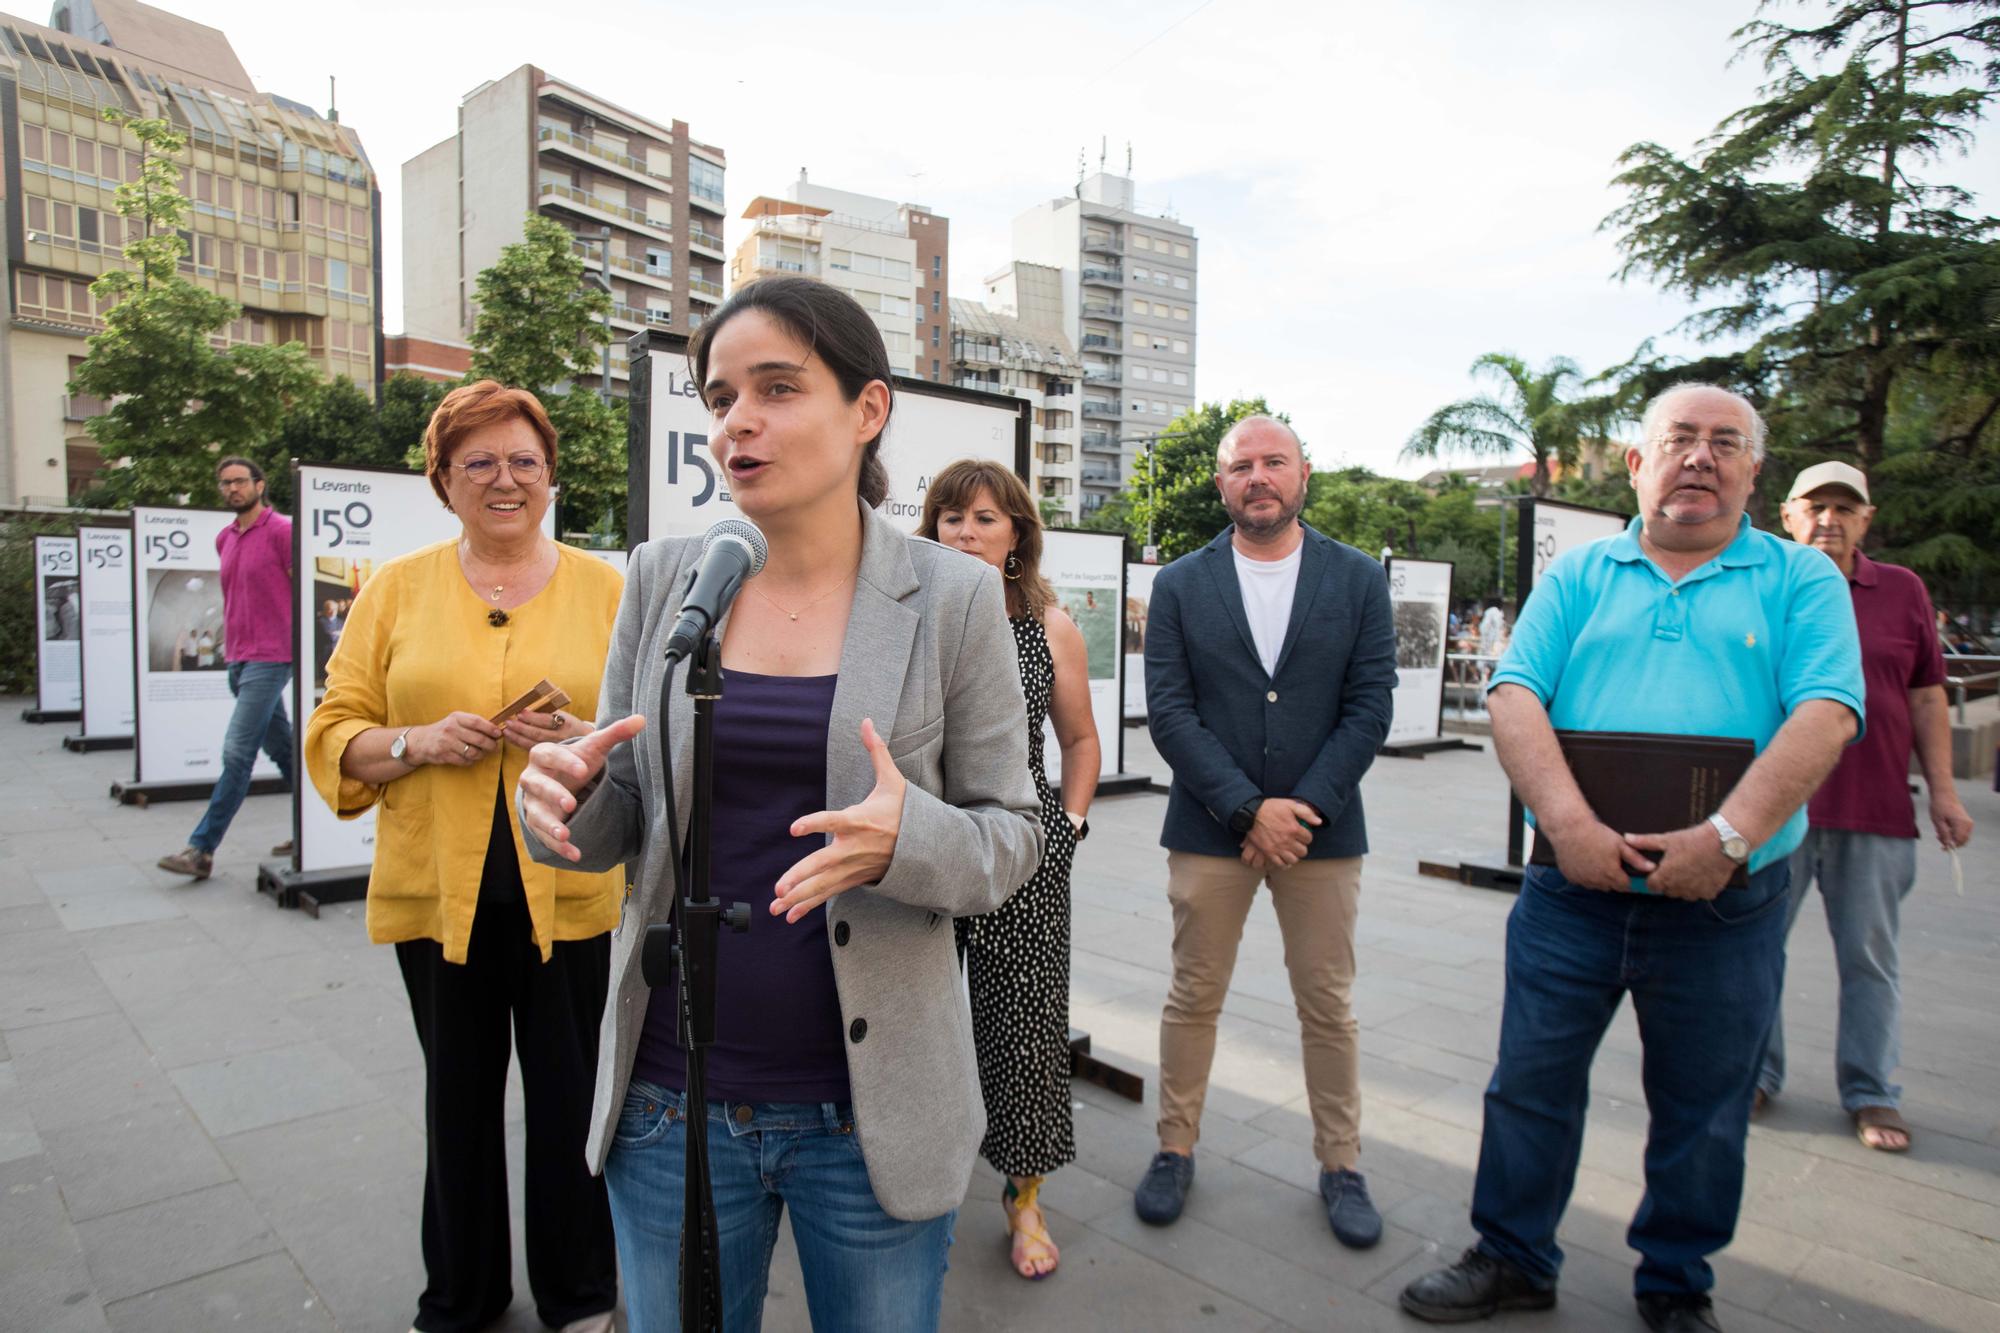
[(418, 645)]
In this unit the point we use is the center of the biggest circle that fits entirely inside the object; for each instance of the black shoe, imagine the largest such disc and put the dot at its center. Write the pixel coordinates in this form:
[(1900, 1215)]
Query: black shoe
[(1163, 1193), (1678, 1312), (1478, 1286), (1349, 1210)]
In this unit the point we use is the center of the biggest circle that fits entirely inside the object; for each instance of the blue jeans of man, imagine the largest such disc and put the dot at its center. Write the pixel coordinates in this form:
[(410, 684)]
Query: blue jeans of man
[(259, 721), (865, 1271), (1704, 980), (1863, 879)]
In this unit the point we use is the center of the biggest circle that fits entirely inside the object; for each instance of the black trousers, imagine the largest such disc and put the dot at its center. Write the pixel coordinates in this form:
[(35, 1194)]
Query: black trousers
[(463, 1014)]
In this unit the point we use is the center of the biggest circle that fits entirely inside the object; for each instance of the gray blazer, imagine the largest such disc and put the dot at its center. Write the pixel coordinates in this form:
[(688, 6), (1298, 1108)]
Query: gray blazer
[(929, 656)]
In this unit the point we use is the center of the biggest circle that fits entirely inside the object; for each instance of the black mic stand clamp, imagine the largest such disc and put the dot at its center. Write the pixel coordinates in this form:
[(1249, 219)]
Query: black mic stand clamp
[(687, 945)]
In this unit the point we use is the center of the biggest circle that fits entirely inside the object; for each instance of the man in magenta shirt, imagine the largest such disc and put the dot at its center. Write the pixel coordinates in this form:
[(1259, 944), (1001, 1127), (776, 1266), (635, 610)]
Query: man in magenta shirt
[(256, 579), (1862, 847)]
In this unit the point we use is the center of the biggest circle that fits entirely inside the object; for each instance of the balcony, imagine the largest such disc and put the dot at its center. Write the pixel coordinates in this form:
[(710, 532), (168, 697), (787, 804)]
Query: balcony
[(705, 240), (550, 139), (645, 319), (1101, 377), (705, 288), (1054, 453), (702, 196), (1093, 408), (1101, 340), (1100, 476), (637, 269), (1103, 310), (1103, 277), (600, 209), (1100, 442), (1103, 245)]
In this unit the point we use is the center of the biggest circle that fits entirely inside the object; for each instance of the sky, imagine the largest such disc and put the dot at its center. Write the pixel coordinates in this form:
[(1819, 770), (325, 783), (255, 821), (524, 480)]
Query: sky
[(1382, 193)]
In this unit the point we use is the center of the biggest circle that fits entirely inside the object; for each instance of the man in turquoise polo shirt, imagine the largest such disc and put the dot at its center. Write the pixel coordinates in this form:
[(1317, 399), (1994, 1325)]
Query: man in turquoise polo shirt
[(1690, 622)]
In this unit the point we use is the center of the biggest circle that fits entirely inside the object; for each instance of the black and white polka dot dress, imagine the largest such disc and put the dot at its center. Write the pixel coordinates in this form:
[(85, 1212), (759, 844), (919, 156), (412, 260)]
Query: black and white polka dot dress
[(1017, 968)]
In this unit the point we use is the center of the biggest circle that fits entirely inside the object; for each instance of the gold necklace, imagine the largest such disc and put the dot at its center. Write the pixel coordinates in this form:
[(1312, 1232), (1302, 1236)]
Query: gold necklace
[(498, 588), (794, 615)]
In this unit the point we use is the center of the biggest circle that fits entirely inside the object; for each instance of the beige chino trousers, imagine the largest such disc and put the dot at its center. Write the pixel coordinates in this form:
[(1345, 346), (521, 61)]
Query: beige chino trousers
[(1317, 902)]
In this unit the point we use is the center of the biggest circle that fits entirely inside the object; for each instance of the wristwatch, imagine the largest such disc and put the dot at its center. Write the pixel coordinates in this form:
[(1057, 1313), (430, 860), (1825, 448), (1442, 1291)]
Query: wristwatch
[(401, 744), (1246, 815), (1734, 845), (1078, 825)]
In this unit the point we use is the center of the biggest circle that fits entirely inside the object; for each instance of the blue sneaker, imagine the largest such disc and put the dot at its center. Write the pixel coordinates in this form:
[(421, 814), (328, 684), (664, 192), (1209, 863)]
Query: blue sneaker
[(1355, 1222), (1163, 1193)]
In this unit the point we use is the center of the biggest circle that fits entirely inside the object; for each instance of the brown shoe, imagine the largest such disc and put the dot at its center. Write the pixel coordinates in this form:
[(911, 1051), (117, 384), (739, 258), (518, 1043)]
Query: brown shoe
[(189, 861), (283, 849)]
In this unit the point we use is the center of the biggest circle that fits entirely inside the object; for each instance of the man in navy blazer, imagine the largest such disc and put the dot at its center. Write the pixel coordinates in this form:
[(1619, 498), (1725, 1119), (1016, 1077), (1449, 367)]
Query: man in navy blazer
[(1270, 662)]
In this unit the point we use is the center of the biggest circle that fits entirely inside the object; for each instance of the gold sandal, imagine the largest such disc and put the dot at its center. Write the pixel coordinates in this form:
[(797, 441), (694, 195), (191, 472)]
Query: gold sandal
[(1027, 1240)]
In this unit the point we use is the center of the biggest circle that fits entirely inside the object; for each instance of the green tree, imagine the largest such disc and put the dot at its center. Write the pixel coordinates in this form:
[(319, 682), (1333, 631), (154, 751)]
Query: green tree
[(1806, 220), (176, 402), (405, 410), (1536, 413), (1367, 512), (540, 327), (1172, 492)]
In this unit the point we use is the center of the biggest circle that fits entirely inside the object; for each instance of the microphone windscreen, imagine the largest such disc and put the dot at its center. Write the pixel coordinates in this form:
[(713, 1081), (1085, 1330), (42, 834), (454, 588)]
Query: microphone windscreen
[(745, 531)]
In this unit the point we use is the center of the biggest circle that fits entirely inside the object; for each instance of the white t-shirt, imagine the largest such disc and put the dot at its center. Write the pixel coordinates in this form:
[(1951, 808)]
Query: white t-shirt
[(1491, 626), (1268, 587)]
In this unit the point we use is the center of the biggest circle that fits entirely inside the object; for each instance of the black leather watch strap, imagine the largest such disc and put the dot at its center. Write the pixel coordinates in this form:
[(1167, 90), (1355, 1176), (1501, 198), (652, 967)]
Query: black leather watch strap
[(1245, 816)]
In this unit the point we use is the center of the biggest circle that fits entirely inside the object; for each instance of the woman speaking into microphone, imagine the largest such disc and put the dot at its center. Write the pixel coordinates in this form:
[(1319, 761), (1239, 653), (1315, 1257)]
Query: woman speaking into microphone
[(871, 781)]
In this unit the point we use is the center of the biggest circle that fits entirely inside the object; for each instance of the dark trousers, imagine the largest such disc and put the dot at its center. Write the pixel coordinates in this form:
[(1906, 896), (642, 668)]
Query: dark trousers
[(463, 1014), (1704, 980)]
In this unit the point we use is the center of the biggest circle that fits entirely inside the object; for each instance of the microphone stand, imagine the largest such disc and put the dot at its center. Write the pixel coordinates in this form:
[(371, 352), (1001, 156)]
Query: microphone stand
[(693, 930)]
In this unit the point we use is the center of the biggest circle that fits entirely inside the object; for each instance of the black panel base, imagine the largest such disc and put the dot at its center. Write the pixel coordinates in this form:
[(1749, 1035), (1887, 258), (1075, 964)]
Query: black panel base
[(52, 715), (1125, 784), (1084, 1065), (85, 744), (1492, 874), (143, 794), (309, 890), (1418, 749)]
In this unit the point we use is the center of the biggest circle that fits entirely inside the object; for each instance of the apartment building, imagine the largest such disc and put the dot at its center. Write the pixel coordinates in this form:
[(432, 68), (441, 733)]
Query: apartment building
[(643, 197), (285, 217), (998, 353), (894, 258), (1125, 292)]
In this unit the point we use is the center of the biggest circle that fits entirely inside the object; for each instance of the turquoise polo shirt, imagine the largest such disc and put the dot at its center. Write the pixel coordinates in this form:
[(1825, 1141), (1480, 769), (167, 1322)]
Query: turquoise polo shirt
[(1608, 642)]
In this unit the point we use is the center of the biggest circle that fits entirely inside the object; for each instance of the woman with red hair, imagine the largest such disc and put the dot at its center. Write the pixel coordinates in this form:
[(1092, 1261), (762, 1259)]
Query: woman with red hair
[(437, 643)]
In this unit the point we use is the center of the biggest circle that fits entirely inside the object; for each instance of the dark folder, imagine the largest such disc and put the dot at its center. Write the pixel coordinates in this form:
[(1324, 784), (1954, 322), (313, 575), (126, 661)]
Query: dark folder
[(1644, 782)]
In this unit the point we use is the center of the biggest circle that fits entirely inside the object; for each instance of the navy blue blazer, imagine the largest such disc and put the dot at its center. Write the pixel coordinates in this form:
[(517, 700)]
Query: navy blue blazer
[(1307, 731)]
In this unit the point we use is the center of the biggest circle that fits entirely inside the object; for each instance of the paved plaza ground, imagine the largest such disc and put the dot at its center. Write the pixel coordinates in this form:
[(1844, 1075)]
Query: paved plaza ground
[(211, 1109)]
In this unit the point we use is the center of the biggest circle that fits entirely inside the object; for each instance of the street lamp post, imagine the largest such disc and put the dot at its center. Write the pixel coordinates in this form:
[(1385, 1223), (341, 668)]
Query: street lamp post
[(1152, 477), (604, 281)]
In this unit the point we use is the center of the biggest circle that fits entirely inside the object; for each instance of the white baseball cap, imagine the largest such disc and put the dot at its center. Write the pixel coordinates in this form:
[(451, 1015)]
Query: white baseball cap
[(1830, 474)]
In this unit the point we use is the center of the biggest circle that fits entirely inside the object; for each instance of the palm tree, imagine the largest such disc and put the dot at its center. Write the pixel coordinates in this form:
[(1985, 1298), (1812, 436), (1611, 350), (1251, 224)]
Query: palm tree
[(1536, 413)]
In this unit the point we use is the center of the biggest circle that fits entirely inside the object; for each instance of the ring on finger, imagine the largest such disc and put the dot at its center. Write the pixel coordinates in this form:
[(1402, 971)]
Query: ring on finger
[(555, 721), (466, 749)]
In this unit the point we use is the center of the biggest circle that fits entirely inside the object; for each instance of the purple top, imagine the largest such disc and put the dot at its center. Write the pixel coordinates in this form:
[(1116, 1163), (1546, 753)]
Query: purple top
[(778, 1033), (257, 589), (1869, 790)]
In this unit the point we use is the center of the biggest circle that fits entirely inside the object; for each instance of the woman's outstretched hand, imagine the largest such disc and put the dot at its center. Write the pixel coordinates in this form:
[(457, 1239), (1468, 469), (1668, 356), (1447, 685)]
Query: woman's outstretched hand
[(864, 839), (556, 773)]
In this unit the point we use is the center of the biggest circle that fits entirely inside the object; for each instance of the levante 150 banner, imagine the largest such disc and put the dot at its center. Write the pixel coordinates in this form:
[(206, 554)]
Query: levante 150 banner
[(180, 656), (1087, 571), (58, 627), (106, 587)]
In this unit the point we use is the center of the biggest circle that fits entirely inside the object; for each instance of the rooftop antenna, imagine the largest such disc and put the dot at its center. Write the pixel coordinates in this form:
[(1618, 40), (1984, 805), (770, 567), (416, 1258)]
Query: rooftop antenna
[(1082, 158), (1128, 157), (1103, 150), (332, 100)]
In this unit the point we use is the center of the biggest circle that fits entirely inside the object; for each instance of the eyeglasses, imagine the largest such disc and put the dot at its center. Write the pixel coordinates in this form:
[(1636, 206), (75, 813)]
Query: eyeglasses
[(1682, 443), (527, 469), (231, 483)]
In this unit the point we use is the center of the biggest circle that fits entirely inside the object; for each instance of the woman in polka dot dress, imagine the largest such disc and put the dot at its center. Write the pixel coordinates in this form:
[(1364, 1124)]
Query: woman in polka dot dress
[(1017, 959)]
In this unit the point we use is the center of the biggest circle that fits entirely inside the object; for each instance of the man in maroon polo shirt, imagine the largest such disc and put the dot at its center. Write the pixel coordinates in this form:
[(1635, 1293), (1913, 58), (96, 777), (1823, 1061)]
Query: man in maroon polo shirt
[(256, 580), (1862, 847)]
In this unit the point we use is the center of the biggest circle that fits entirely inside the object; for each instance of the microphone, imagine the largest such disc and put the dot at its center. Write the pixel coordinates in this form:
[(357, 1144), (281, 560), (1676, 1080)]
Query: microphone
[(733, 550)]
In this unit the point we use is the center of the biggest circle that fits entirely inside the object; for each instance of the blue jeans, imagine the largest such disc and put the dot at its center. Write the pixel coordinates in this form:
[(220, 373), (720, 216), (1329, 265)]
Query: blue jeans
[(1704, 980), (1863, 879), (864, 1270), (259, 720)]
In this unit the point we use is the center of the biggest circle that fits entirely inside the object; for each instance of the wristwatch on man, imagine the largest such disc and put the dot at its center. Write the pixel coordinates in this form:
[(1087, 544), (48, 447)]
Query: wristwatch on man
[(1245, 817), (1734, 845)]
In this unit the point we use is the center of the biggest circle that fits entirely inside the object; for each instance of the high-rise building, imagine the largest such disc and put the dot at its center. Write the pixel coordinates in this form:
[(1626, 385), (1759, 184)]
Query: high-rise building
[(894, 258), (645, 192), (285, 217), (999, 353), (1126, 295)]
